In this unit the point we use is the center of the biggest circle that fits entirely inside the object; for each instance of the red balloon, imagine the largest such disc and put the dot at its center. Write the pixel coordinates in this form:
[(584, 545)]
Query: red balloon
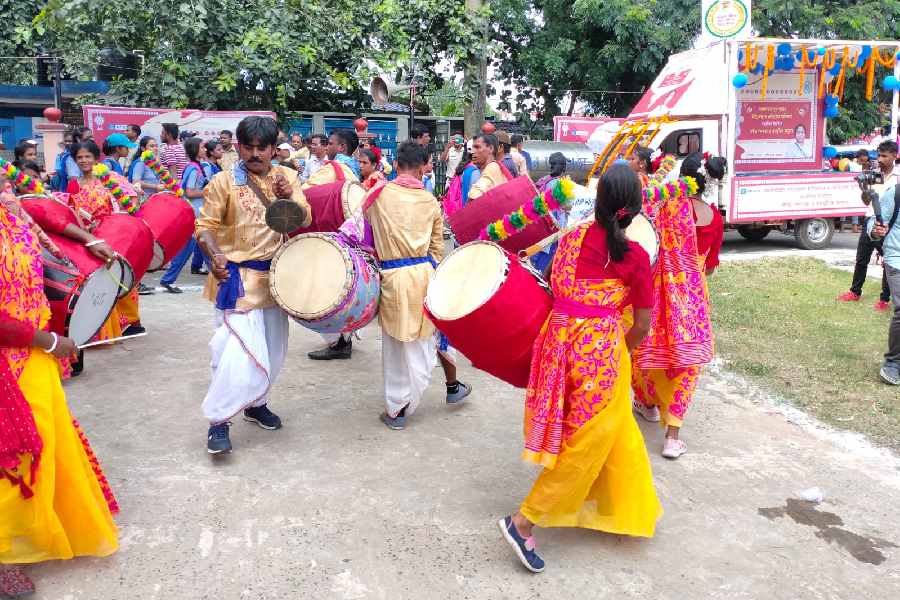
[(360, 124), (488, 127), (52, 114)]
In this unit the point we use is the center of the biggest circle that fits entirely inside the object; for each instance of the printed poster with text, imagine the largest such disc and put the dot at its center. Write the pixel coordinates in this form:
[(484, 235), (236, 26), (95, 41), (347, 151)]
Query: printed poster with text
[(782, 132)]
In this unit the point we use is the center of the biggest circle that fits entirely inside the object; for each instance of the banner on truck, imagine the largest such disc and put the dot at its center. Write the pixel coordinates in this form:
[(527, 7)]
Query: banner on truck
[(724, 20), (106, 120), (782, 132), (579, 129), (784, 197)]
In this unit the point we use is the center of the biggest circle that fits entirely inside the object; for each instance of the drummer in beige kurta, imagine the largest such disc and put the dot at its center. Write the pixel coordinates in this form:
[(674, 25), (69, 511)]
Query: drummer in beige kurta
[(406, 223), (491, 176)]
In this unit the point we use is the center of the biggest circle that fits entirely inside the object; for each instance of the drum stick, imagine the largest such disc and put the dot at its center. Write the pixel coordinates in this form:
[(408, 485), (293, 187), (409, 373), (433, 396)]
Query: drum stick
[(111, 340), (547, 241)]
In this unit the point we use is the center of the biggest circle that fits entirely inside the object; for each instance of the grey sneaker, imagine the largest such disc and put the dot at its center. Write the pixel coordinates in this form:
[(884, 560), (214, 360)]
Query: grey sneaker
[(460, 394), (396, 423), (890, 373)]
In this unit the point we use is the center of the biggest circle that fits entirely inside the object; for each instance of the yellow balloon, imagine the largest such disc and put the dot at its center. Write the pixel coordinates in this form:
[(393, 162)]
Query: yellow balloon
[(844, 164)]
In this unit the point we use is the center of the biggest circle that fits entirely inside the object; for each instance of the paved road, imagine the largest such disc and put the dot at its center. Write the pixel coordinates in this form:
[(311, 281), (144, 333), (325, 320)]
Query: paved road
[(336, 506)]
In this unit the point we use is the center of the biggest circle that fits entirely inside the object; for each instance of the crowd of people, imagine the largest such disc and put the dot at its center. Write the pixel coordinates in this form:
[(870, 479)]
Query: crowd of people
[(618, 325)]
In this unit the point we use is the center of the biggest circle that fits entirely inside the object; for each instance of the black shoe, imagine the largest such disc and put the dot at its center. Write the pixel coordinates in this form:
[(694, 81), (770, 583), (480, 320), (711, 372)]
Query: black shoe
[(133, 330), (262, 416), (339, 351), (217, 440), (78, 365), (199, 272), (171, 288), (144, 290)]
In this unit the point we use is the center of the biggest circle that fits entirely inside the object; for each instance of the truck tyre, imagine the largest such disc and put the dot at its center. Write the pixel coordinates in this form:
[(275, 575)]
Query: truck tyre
[(753, 234), (813, 234)]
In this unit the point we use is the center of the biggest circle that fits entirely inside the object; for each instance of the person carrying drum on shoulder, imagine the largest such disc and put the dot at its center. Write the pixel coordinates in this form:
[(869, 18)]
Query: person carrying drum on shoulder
[(342, 144), (408, 230), (251, 337), (485, 149)]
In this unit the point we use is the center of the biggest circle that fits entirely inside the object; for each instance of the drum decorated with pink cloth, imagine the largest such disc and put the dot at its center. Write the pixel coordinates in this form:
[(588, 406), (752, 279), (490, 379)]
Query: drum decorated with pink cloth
[(81, 289), (491, 307), (132, 239), (46, 208), (325, 284), (171, 220)]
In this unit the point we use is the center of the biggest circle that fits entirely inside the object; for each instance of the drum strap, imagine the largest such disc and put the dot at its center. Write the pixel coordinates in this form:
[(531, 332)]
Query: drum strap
[(259, 193), (338, 171)]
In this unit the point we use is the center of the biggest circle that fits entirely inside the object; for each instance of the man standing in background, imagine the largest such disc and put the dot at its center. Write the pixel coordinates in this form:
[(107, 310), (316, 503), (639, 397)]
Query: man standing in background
[(229, 153), (519, 155), (318, 148), (453, 153), (172, 154)]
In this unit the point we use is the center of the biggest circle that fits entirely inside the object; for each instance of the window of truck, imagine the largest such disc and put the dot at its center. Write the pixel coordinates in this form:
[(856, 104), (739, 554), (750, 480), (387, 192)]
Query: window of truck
[(683, 142)]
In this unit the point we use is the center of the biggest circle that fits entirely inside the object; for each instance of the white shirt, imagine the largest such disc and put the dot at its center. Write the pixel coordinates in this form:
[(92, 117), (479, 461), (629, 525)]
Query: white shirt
[(453, 158), (313, 164)]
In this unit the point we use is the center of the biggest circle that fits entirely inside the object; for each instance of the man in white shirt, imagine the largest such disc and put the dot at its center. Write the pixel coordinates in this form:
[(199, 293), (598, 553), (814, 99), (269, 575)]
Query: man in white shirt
[(453, 153), (318, 146)]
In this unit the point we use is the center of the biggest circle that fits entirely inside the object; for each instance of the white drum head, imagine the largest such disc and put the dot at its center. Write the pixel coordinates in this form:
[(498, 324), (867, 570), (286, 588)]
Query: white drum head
[(98, 296), (310, 275), (353, 196), (466, 279), (643, 232), (159, 257)]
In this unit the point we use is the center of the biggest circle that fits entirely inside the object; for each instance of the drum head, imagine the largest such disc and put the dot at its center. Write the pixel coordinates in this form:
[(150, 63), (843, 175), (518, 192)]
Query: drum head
[(159, 257), (466, 279), (93, 305), (310, 275), (352, 197), (284, 216), (643, 232)]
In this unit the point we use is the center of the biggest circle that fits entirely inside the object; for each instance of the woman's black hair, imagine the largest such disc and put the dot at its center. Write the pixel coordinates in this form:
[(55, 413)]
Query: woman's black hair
[(211, 147), (78, 131), (261, 129), (142, 145), (370, 155), (192, 148), (716, 167), (618, 189), (107, 149), (89, 145), (558, 163), (21, 148), (463, 163), (645, 155), (30, 165), (491, 140)]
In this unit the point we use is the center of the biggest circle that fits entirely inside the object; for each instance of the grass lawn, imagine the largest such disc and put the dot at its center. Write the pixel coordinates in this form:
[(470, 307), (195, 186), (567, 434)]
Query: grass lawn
[(777, 323)]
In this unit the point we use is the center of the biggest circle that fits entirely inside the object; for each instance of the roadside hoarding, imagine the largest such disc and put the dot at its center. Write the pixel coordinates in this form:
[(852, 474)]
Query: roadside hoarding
[(787, 197), (106, 120)]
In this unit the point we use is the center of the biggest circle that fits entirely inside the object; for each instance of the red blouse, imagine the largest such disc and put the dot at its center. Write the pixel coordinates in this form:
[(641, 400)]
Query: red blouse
[(633, 269), (709, 238)]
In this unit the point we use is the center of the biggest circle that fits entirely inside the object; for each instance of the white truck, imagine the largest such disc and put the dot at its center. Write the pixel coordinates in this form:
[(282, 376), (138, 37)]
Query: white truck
[(772, 133)]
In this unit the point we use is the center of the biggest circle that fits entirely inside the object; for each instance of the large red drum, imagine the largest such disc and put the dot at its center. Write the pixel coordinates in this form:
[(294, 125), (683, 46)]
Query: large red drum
[(132, 239), (331, 205), (48, 209), (171, 220), (467, 222), (491, 307), (82, 290)]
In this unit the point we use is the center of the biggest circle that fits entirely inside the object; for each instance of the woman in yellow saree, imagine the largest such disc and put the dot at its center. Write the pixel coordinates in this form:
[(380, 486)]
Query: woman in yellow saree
[(578, 420)]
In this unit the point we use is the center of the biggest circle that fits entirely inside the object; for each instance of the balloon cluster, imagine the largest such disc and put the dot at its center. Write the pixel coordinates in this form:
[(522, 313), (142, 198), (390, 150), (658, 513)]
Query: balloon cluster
[(831, 106), (161, 172), (891, 83), (829, 152), (560, 195), (20, 179), (125, 201)]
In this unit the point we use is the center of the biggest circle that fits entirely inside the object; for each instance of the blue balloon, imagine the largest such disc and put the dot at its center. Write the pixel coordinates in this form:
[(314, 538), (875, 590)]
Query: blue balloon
[(873, 155), (757, 69), (740, 80), (831, 112), (783, 49), (864, 54), (822, 51), (835, 69), (740, 56), (829, 152), (831, 100), (890, 83)]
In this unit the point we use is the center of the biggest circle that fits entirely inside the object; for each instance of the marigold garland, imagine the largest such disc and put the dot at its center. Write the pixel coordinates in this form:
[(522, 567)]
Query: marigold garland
[(20, 179), (656, 194), (125, 201), (560, 195), (161, 172)]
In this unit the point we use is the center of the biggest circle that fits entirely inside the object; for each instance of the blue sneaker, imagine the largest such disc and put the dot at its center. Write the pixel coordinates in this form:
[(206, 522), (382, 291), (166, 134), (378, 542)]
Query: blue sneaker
[(457, 396), (524, 547), (217, 441), (396, 423), (262, 416)]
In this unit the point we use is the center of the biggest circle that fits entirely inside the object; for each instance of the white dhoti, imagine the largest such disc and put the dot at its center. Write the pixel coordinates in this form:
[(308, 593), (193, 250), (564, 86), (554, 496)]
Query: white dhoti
[(407, 368), (248, 351)]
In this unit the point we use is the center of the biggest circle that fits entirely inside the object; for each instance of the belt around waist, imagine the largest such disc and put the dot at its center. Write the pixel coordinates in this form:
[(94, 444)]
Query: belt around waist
[(396, 263), (233, 288)]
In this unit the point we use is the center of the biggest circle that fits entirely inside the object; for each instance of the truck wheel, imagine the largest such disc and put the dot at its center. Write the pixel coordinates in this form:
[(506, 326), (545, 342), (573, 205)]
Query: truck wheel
[(813, 234), (753, 234)]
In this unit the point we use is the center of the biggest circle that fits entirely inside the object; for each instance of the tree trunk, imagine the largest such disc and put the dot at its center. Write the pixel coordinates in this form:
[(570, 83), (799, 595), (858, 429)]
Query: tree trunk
[(475, 79), (573, 98)]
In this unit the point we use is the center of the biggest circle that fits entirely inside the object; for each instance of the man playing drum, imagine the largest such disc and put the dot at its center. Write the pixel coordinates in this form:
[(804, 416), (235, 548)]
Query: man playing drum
[(342, 143), (250, 341), (484, 154), (408, 230)]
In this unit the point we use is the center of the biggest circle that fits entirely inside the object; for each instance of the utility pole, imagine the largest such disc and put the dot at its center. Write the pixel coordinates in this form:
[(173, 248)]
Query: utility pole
[(57, 82), (475, 77)]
